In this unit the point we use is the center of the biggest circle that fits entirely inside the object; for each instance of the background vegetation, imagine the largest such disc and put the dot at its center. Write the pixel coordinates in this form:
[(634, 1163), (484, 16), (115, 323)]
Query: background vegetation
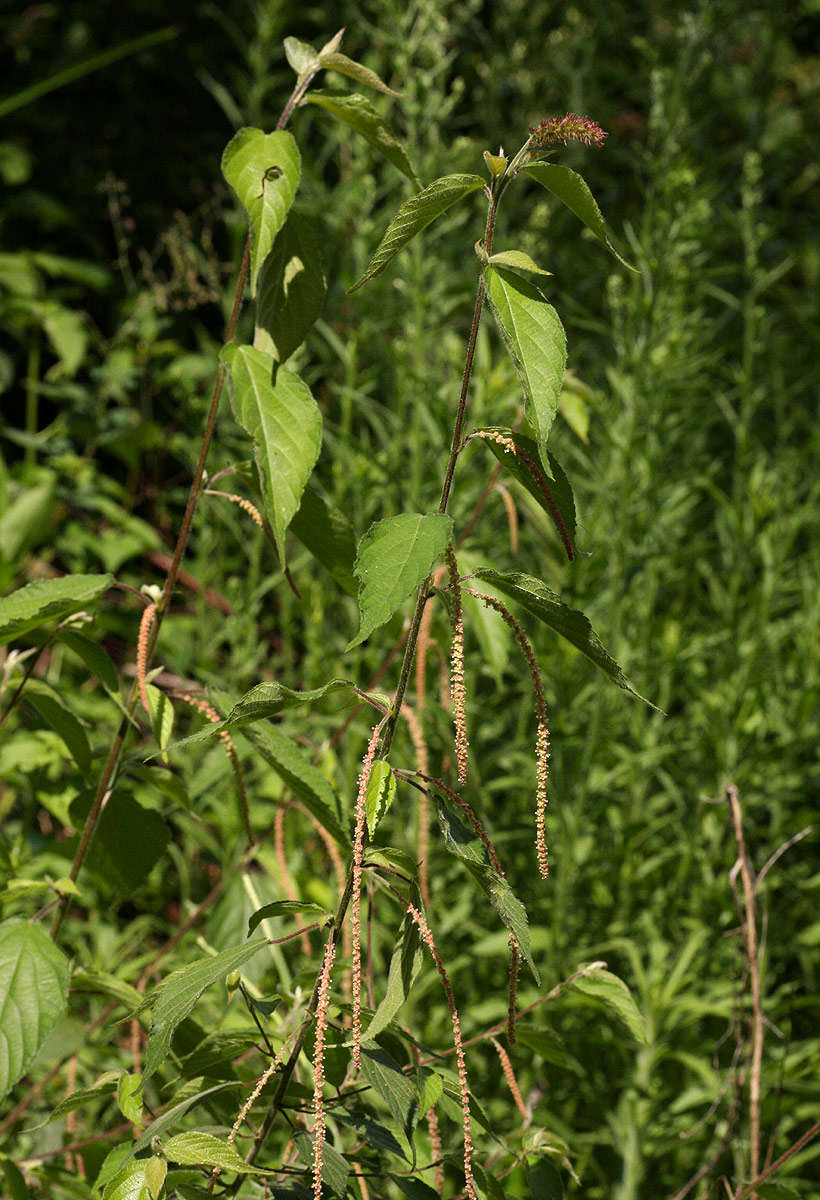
[(690, 441)]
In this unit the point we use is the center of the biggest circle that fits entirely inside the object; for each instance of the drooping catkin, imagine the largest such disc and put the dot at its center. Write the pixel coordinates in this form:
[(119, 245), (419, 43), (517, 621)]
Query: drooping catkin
[(423, 808), (233, 758), (429, 941), (356, 896), (512, 1082), (458, 692), (339, 871), (319, 1065), (542, 741), (146, 621), (251, 509)]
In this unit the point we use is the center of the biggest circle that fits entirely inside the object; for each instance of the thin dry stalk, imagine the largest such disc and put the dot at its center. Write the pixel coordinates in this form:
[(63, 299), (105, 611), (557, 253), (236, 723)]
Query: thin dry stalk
[(270, 1070), (458, 692), (512, 515), (753, 968), (72, 1163), (357, 1167), (319, 1066), (512, 1082), (423, 808), (356, 897), (146, 621), (542, 741)]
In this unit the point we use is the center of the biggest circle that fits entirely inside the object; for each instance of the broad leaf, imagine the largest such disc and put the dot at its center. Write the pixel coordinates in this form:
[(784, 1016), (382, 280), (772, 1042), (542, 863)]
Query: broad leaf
[(155, 1171), (395, 556), (573, 191), (48, 600), (517, 260), (416, 214), (405, 964), (128, 840), (284, 908), (263, 169), (386, 1077), (336, 61), (305, 780), (327, 533), (129, 1183), (358, 113), (537, 344), (94, 657), (373, 1133), (538, 599), (129, 1097), (291, 289), (56, 713), (33, 995), (335, 1170), (555, 480), (177, 995), (202, 1149), (610, 990), (276, 409), (381, 792)]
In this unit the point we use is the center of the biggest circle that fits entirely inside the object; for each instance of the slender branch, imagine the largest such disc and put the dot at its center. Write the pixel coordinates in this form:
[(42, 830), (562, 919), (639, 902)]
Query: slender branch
[(778, 1162)]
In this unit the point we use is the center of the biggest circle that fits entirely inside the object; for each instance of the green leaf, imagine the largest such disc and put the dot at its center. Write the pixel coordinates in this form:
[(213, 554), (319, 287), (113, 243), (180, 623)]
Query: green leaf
[(610, 990), (416, 1189), (335, 1170), (301, 56), (107, 985), (336, 61), (431, 1089), (305, 780), (103, 1086), (33, 995), (276, 409), (357, 112), (537, 344), (177, 995), (386, 1077), (15, 1181), (28, 520), (405, 963), (555, 480), (466, 845), (129, 1183), (572, 190), (538, 599), (48, 600), (381, 792), (94, 657), (373, 1133), (68, 335), (327, 533), (291, 289), (545, 1182), (203, 1149), (395, 556), (263, 169), (155, 1171), (129, 1097), (161, 711), (517, 260), (283, 908), (128, 841), (416, 214), (51, 707)]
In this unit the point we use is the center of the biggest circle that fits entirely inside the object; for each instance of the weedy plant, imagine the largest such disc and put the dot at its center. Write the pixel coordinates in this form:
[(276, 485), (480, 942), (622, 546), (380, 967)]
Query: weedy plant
[(322, 1087)]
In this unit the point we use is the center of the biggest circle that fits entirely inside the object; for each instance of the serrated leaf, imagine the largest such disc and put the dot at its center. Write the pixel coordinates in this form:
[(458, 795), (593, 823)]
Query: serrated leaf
[(128, 840), (517, 260), (555, 479), (105, 984), (301, 56), (203, 1149), (336, 61), (171, 1116), (375, 1134), (129, 1097), (94, 657), (177, 995), (610, 990), (305, 780), (431, 1088), (335, 1170), (327, 533), (416, 1189), (263, 169), (56, 713), (357, 112), (405, 964), (392, 858), (416, 214), (291, 289), (386, 1077), (104, 1086), (48, 600), (395, 556), (284, 908), (155, 1171), (380, 794), (33, 995), (128, 1184), (573, 191), (161, 711), (537, 344), (570, 623), (466, 845), (275, 407)]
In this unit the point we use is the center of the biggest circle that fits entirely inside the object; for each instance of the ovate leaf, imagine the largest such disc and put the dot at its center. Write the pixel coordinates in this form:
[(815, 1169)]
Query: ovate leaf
[(263, 169), (94, 657), (33, 995), (537, 344), (416, 214), (301, 56), (129, 1097), (395, 556), (326, 532), (381, 792), (291, 289), (129, 1183), (357, 112), (284, 908), (48, 600), (538, 599), (128, 840), (405, 964), (203, 1149), (176, 996), (155, 1171), (56, 713), (336, 61), (611, 991), (277, 410), (386, 1077), (517, 260), (161, 711), (572, 190)]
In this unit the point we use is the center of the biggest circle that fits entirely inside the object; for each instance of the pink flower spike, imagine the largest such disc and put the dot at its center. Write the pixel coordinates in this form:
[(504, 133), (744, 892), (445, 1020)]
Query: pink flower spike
[(569, 128)]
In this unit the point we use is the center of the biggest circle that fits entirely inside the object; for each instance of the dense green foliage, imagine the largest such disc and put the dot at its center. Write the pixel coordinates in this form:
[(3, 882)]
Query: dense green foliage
[(687, 426)]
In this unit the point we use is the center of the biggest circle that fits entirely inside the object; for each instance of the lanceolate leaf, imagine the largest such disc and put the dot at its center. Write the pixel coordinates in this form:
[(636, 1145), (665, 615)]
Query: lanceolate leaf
[(538, 599), (337, 61), (48, 600), (517, 260), (537, 344), (385, 1075), (416, 214), (572, 190), (326, 532), (291, 289), (381, 792), (203, 1149), (557, 483), (395, 556), (610, 990), (357, 112), (49, 704), (33, 995), (276, 409), (335, 1168), (285, 908), (176, 996), (263, 169), (405, 964), (94, 657)]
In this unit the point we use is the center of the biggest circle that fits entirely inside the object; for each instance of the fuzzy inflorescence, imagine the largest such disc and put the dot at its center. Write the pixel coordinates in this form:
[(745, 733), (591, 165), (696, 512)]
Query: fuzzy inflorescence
[(561, 130), (356, 896), (319, 1065), (146, 621), (458, 691)]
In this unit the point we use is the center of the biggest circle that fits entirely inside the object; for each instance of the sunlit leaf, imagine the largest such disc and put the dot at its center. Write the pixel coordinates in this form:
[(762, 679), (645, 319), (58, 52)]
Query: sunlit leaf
[(611, 991), (359, 114), (48, 600), (573, 191), (263, 169), (381, 792), (284, 908), (336, 61), (33, 995)]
